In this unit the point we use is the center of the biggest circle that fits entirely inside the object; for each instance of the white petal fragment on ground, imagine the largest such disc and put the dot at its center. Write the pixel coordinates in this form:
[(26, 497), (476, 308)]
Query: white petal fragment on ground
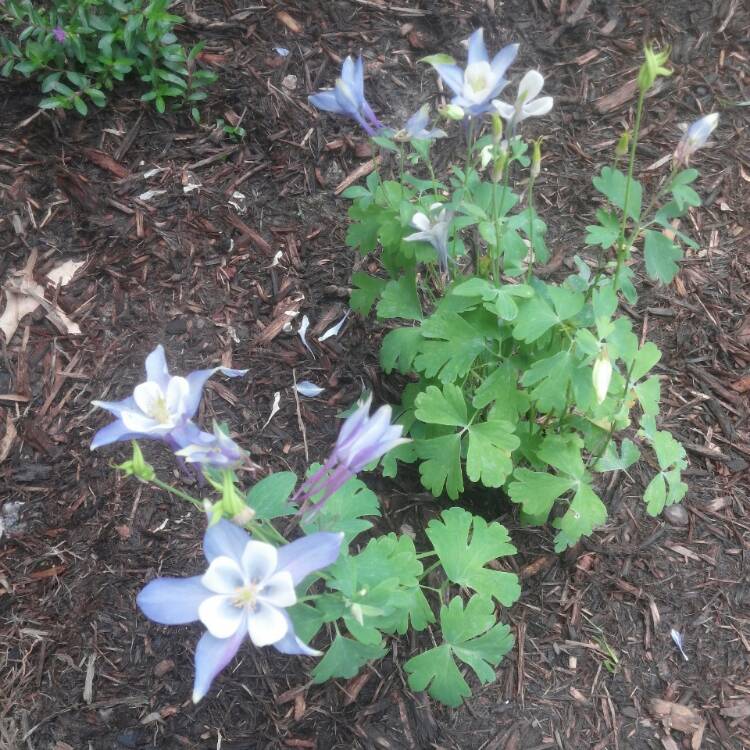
[(277, 258), (306, 388), (334, 330), (274, 408), (677, 638), (63, 273), (303, 326), (149, 194), (23, 295), (238, 201)]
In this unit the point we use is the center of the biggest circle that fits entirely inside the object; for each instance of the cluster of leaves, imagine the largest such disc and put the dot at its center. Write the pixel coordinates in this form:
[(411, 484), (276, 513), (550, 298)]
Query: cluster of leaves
[(502, 363), (381, 589), (80, 49)]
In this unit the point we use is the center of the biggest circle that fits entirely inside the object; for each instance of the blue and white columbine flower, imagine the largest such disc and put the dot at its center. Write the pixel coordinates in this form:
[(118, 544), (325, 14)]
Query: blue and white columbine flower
[(433, 229), (526, 104), (416, 128), (348, 97), (362, 440), (695, 137), (215, 449), (244, 593), (482, 80), (161, 408)]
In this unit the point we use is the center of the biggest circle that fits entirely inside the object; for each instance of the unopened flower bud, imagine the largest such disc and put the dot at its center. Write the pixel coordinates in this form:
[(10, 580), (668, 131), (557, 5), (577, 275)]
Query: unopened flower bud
[(623, 144), (357, 613), (602, 375), (695, 137), (498, 166), (485, 155), (451, 112), (536, 159), (137, 466), (497, 128)]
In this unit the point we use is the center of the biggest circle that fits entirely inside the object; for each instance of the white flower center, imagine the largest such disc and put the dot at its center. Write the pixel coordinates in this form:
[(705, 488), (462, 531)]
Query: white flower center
[(477, 81), (158, 410), (246, 596)]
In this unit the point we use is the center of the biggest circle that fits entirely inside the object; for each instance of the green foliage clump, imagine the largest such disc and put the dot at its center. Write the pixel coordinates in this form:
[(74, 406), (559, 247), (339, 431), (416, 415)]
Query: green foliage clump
[(80, 49)]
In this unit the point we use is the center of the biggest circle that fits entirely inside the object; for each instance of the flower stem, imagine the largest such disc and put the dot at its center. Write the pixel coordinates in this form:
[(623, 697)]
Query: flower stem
[(621, 245), (174, 491)]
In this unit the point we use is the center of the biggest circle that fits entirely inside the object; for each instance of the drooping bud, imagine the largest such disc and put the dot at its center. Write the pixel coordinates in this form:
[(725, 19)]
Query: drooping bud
[(451, 112), (623, 144), (602, 375), (497, 128), (653, 67), (695, 137), (485, 155), (244, 517), (536, 159)]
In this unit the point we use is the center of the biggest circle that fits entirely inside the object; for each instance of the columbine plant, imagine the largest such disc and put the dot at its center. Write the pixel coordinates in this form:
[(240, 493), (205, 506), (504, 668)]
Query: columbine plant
[(260, 586), (528, 386)]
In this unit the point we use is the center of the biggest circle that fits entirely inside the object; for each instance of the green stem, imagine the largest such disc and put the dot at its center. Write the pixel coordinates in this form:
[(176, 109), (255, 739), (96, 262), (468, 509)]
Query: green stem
[(429, 569), (530, 264), (621, 247), (174, 491), (431, 169)]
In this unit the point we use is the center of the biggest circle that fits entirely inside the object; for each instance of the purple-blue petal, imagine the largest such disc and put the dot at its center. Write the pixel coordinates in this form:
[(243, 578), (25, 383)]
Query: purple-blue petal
[(417, 122), (477, 49), (211, 656), (225, 538), (113, 433), (196, 380), (358, 80), (370, 115), (172, 601), (290, 644), (308, 554), (503, 59), (328, 102), (156, 368), (452, 75)]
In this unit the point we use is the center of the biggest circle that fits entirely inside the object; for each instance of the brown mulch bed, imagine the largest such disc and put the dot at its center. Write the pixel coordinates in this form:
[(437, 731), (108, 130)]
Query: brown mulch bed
[(594, 666)]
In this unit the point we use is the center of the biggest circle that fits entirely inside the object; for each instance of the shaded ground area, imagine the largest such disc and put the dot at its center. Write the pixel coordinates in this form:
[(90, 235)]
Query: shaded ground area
[(197, 270)]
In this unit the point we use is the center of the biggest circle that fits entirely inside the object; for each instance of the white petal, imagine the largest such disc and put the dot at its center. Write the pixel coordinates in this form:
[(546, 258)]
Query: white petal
[(538, 107), (224, 575), (147, 395), (220, 616), (420, 221), (278, 590), (505, 110), (419, 237), (266, 624), (259, 561), (530, 86), (177, 393), (302, 331), (140, 423)]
